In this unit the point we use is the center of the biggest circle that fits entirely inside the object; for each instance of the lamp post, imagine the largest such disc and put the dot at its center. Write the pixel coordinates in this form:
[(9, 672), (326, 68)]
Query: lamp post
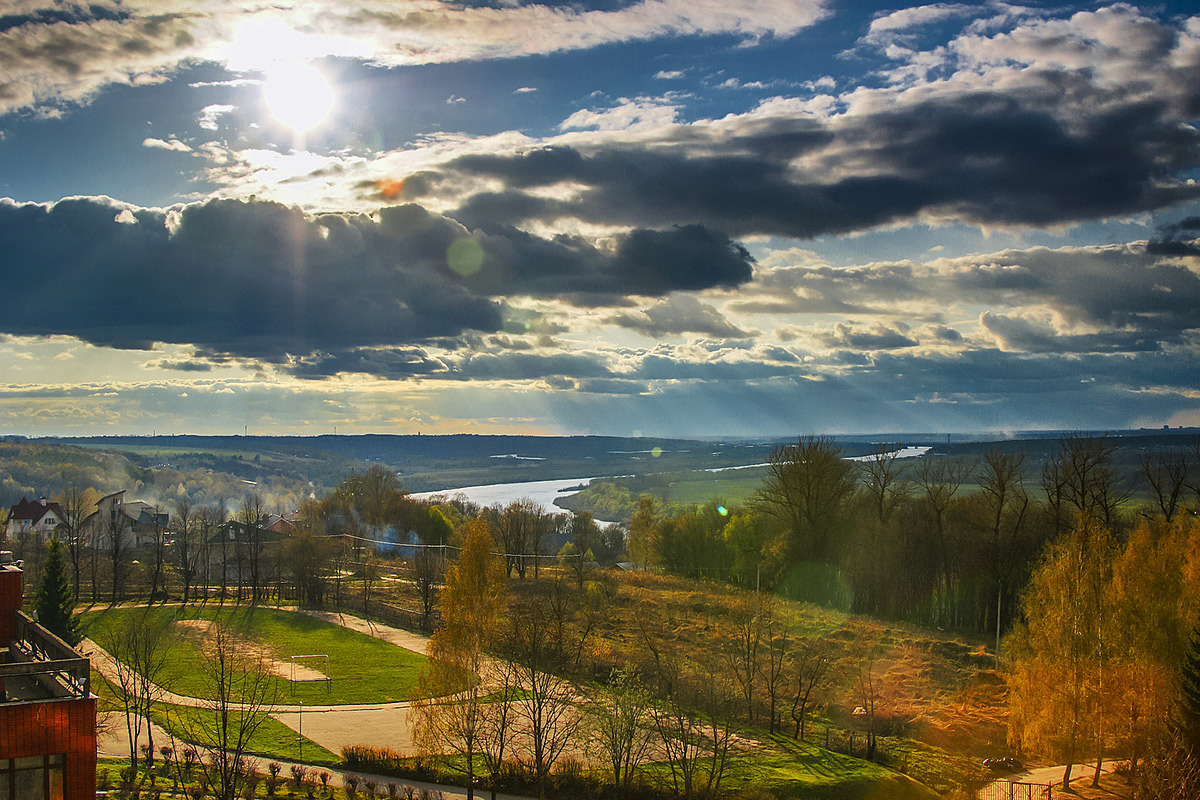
[(301, 730)]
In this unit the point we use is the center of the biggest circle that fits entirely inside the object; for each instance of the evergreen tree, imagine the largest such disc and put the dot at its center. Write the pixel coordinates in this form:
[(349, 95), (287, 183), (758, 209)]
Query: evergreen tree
[(1188, 722), (55, 605)]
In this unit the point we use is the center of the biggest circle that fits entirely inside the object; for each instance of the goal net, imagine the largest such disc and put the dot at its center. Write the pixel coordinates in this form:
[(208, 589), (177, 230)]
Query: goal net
[(310, 667)]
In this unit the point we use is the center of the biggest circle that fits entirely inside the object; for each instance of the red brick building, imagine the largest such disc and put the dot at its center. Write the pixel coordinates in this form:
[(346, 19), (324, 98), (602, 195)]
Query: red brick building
[(47, 711)]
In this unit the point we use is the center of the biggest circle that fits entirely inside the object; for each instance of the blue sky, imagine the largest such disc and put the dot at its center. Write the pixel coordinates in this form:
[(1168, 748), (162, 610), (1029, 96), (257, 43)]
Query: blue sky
[(670, 217)]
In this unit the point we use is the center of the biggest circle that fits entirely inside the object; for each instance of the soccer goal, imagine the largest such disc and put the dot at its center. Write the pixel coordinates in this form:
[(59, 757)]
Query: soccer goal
[(311, 667)]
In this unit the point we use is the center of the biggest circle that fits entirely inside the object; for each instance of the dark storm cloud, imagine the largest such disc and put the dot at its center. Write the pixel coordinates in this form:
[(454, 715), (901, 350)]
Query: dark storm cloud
[(180, 366), (647, 263), (1116, 289), (262, 281), (1177, 239), (981, 156), (1107, 298)]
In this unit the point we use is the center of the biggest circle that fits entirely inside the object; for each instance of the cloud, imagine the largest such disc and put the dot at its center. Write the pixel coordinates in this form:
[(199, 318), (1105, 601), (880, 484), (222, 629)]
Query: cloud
[(628, 115), (161, 144), (801, 177), (877, 337), (677, 315), (668, 74), (209, 115), (54, 56), (1062, 121), (258, 280), (898, 26)]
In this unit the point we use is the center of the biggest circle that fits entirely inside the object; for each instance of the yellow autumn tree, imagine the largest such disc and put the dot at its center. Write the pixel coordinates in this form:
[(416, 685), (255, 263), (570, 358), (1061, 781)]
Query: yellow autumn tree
[(1062, 653), (1156, 600), (446, 718)]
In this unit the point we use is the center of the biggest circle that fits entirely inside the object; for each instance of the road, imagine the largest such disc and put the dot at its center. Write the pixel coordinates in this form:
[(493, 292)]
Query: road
[(1046, 776)]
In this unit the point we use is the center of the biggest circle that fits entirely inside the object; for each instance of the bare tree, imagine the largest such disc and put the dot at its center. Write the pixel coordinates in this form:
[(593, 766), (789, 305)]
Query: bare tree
[(117, 528), (208, 522), (810, 674), (138, 644), (1080, 479), (886, 486), (185, 546), (808, 486), (251, 515), (545, 706), (1166, 470), (774, 671), (75, 504), (690, 717), (742, 645), (939, 479), (496, 720), (242, 693), (160, 557), (427, 574), (868, 696), (620, 722), (1001, 481), (306, 555), (517, 525)]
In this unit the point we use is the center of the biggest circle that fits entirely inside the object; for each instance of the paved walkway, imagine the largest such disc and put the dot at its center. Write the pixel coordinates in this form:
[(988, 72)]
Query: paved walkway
[(1046, 776), (331, 726), (113, 742)]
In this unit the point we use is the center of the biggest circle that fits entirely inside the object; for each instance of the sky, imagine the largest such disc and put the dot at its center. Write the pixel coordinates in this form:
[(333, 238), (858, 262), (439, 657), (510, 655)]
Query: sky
[(726, 218)]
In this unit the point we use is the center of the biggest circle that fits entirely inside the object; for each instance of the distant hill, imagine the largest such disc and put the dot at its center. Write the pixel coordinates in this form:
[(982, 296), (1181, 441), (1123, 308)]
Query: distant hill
[(287, 468)]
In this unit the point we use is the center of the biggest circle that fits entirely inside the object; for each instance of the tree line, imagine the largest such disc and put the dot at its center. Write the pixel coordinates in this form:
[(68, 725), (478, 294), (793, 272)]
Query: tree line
[(939, 541)]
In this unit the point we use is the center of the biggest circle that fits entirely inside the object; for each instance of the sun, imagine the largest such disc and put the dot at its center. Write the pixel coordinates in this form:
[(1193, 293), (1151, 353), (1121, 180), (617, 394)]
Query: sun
[(298, 95)]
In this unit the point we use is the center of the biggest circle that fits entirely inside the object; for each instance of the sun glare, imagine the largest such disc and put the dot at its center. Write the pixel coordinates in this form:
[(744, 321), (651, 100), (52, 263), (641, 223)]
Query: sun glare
[(298, 95)]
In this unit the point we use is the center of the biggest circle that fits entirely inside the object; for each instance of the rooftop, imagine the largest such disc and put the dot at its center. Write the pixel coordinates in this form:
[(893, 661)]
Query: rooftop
[(35, 664)]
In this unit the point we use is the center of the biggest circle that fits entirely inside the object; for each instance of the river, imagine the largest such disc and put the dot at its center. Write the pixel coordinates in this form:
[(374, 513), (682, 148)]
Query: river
[(540, 492), (543, 492)]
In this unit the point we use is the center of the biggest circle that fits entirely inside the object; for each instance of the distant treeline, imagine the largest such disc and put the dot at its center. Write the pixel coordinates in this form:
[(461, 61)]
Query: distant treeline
[(945, 541)]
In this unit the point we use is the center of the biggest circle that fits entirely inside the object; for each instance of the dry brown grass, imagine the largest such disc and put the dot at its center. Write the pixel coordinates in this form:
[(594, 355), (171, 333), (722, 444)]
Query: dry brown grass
[(945, 687)]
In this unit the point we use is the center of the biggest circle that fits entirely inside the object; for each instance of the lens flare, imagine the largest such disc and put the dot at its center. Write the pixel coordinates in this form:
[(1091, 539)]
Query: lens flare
[(723, 511), (656, 452), (465, 256), (390, 188)]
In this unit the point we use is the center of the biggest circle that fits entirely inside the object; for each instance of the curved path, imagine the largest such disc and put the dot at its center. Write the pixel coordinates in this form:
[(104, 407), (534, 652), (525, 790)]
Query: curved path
[(112, 743), (331, 726)]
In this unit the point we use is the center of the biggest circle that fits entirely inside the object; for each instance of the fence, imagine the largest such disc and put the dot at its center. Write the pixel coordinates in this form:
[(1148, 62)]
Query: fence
[(1014, 790)]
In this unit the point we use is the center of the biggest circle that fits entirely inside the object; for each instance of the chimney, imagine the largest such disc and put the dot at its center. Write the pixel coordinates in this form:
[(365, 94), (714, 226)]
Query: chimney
[(10, 602)]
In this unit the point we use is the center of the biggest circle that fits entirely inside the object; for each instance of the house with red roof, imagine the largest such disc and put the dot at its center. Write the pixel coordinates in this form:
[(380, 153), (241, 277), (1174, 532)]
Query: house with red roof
[(41, 517)]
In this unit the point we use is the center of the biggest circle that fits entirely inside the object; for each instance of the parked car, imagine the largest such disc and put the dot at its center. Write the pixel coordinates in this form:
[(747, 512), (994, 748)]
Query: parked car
[(1003, 764)]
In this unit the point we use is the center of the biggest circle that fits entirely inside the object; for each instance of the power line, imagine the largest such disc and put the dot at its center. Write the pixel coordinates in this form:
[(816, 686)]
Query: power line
[(442, 547)]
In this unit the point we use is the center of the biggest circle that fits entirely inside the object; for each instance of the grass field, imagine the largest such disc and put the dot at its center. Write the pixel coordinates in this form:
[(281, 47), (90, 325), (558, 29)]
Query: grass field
[(363, 669), (732, 488), (273, 739)]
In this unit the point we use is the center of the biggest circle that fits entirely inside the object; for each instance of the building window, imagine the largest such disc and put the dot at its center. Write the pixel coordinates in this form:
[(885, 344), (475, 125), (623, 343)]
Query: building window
[(34, 778)]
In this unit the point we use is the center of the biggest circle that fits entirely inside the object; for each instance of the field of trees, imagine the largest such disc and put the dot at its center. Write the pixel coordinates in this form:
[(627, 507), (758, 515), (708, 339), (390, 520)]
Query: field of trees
[(909, 616)]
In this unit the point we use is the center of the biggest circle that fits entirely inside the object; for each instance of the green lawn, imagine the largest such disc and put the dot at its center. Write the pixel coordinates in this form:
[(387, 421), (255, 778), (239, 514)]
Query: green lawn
[(732, 488), (272, 740), (789, 769), (364, 669)]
